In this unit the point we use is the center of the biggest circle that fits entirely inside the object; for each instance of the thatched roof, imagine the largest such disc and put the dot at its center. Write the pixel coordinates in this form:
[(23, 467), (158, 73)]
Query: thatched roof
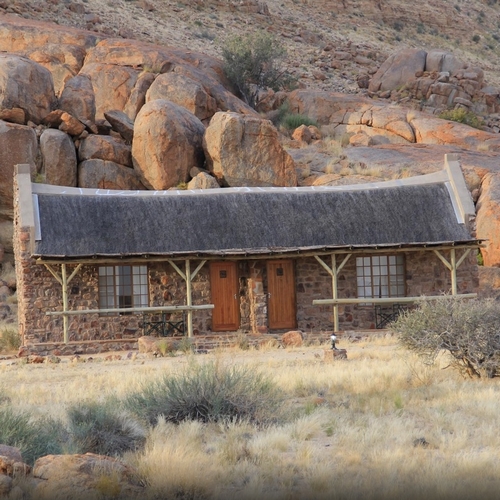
[(245, 220)]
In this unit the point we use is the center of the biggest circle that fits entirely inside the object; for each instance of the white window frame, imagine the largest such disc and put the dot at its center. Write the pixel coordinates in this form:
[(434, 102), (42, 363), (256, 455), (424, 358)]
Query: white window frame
[(381, 276), (123, 287)]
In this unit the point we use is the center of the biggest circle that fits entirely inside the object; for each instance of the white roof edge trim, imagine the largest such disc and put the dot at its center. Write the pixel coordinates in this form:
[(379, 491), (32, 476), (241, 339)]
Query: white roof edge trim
[(433, 178), (36, 216), (456, 206)]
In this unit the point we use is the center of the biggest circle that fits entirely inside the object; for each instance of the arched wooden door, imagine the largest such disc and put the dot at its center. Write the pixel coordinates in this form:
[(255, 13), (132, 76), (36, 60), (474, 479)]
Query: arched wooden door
[(281, 302), (224, 291)]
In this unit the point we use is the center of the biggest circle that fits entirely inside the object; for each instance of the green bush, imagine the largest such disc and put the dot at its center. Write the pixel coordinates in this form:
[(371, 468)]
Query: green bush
[(467, 329), (461, 115), (255, 62), (209, 392), (293, 120), (9, 340), (35, 438), (99, 428)]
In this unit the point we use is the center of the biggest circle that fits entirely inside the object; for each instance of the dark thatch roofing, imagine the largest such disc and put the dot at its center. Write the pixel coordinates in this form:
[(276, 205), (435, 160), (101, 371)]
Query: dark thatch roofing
[(248, 221)]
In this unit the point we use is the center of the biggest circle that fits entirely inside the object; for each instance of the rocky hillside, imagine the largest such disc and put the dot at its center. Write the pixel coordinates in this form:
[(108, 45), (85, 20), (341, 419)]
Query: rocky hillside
[(120, 89), (372, 28)]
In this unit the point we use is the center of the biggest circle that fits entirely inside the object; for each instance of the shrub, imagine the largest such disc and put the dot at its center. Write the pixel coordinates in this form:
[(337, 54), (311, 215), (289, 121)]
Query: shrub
[(35, 438), (99, 428), (293, 120), (467, 329), (209, 392), (255, 62), (9, 340), (461, 115)]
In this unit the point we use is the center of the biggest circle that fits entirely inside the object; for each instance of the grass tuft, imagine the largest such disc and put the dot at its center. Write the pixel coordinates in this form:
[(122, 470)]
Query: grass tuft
[(210, 392), (99, 428), (35, 438)]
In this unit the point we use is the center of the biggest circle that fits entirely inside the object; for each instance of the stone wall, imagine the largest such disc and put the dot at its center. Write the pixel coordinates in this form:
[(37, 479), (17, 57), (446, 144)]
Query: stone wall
[(38, 292)]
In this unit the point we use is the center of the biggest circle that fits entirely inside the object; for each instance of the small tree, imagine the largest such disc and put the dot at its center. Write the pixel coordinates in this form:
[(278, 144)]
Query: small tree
[(468, 329), (253, 63)]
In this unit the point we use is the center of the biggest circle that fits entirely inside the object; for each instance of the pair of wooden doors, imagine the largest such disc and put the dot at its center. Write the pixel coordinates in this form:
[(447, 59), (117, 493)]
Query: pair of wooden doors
[(281, 304)]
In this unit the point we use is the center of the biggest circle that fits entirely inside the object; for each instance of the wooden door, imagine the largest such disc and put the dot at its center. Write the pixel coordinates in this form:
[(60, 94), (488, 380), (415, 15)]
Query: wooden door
[(224, 289), (281, 305)]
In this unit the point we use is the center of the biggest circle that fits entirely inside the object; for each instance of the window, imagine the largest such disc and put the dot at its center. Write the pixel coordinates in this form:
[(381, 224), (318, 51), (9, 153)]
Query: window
[(381, 276), (123, 286)]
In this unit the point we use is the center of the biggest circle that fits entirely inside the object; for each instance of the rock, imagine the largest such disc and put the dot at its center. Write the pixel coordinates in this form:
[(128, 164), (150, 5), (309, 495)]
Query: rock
[(11, 452), (302, 134), (63, 61), (489, 282), (167, 144), (205, 70), (113, 85), (18, 34), (398, 69), (58, 157), (363, 81), (315, 132), (26, 85), (11, 464), (203, 180), (84, 477), (35, 359), (443, 61), (292, 339), (121, 123), (137, 97), (147, 344), (78, 99), (107, 175), (105, 147), (71, 125), (18, 144), (5, 485), (334, 355), (488, 219), (14, 115), (185, 92), (243, 150)]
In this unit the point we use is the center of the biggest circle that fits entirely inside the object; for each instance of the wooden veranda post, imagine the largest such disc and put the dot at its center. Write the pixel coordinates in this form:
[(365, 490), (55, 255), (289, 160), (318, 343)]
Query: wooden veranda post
[(63, 280), (189, 298), (64, 284), (188, 277), (452, 266), (334, 272)]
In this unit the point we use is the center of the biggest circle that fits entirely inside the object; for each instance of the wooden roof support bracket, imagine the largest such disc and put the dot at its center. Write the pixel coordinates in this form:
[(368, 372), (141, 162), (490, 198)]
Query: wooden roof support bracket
[(188, 276), (64, 281), (334, 271), (453, 265)]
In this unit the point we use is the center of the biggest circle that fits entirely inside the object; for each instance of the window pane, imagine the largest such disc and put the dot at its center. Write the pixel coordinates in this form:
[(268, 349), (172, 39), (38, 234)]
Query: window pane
[(380, 276)]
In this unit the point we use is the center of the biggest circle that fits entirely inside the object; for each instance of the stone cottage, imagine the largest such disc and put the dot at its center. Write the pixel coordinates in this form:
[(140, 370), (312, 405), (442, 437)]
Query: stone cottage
[(96, 267)]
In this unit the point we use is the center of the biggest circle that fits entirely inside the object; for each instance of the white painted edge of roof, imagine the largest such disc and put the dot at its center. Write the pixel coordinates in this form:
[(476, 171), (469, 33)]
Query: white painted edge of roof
[(25, 195), (459, 193), (436, 177)]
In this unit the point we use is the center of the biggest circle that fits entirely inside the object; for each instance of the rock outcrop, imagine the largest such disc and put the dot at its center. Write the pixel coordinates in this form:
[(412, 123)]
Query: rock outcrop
[(246, 151), (167, 144), (488, 218), (26, 85)]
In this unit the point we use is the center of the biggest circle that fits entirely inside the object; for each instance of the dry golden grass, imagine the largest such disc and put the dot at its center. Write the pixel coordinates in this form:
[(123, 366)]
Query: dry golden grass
[(379, 425)]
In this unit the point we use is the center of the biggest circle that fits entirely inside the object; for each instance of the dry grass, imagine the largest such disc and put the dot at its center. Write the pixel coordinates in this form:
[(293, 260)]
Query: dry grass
[(379, 425)]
